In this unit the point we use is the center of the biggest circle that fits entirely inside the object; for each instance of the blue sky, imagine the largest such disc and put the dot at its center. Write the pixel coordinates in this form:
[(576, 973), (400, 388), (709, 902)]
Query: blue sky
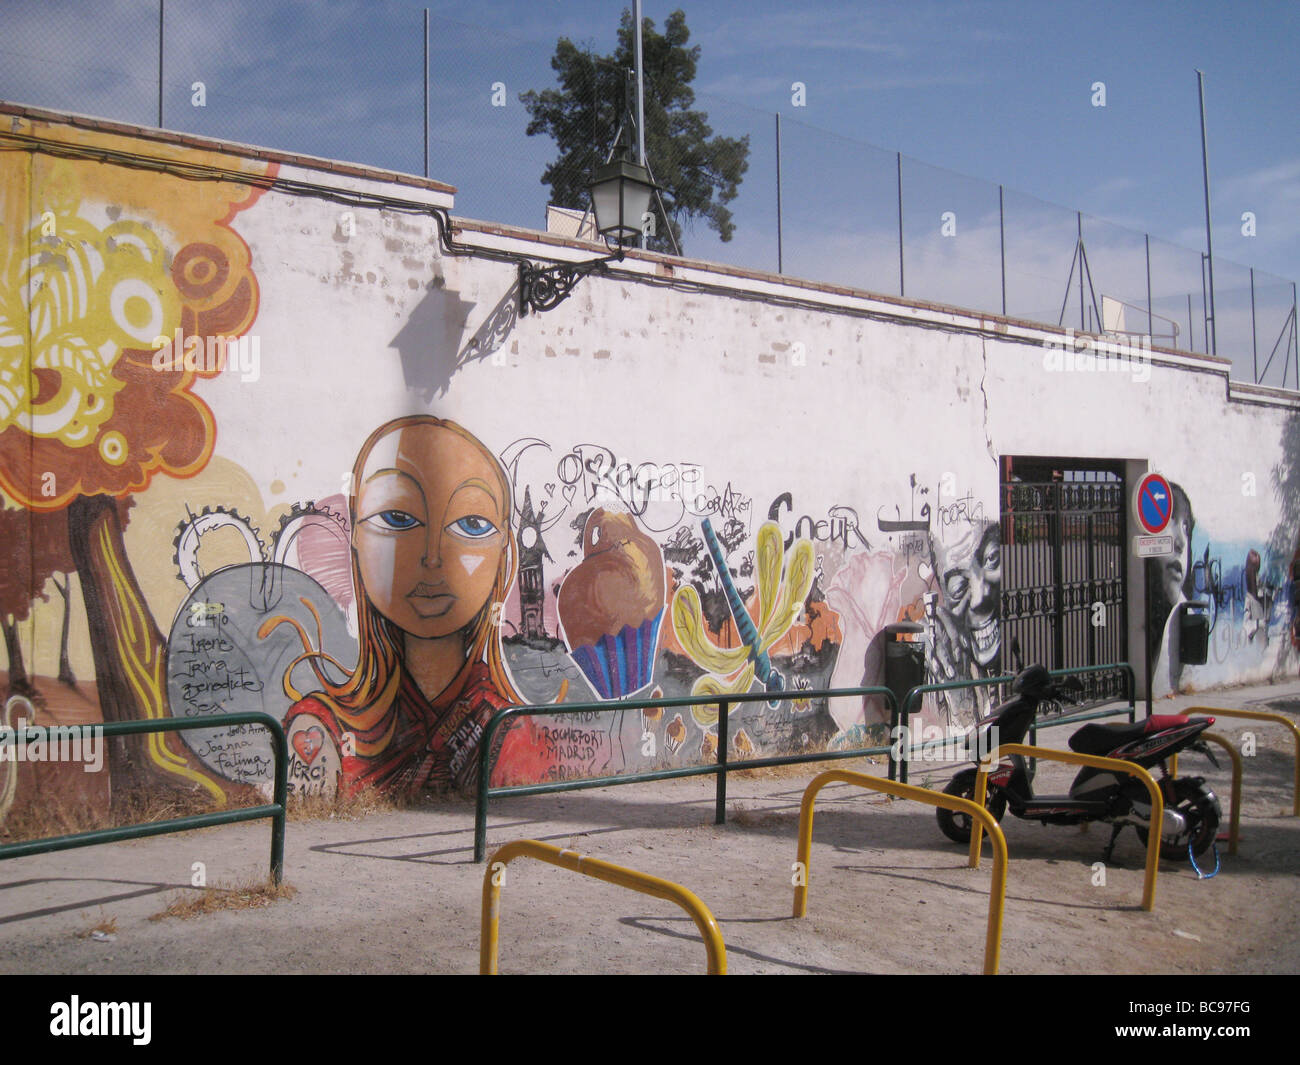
[(996, 91)]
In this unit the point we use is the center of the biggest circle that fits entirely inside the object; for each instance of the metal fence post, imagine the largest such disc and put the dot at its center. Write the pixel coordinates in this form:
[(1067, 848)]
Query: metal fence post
[(1254, 350), (1078, 251), (1295, 340), (1002, 247), (901, 289), (1206, 307), (426, 92), (720, 813), (780, 263), (1212, 337), (1146, 240), (161, 3)]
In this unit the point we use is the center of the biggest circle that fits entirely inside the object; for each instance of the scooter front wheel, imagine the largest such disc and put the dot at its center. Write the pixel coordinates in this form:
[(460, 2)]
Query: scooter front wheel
[(956, 825)]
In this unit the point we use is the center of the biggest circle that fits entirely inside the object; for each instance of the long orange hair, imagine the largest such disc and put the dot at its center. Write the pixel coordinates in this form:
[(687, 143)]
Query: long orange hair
[(361, 700)]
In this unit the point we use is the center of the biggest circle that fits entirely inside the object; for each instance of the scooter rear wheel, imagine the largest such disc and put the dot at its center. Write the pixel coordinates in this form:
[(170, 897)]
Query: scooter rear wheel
[(955, 825), (1201, 812)]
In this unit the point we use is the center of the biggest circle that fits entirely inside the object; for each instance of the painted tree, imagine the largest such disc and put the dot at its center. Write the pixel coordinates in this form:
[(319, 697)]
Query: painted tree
[(700, 173), (86, 420), (16, 594), (66, 676), (38, 549)]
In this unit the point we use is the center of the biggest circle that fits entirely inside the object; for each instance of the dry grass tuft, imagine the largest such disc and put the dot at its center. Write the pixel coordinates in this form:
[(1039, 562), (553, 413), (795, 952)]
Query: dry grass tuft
[(106, 925), (762, 817), (807, 770), (58, 815), (342, 807), (251, 895)]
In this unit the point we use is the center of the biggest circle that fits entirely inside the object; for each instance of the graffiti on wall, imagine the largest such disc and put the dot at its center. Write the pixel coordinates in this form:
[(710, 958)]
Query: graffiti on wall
[(1243, 595), (87, 421), (464, 567), (385, 625)]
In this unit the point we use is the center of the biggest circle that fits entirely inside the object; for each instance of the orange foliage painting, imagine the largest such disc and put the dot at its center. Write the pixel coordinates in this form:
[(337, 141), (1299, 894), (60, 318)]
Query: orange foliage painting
[(86, 418)]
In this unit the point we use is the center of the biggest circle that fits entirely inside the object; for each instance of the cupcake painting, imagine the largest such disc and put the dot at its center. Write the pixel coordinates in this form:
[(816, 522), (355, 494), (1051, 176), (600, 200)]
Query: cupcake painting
[(612, 603)]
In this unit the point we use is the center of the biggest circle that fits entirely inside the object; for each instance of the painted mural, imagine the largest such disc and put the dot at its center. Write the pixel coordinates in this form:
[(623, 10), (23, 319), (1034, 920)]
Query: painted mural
[(98, 266), (1244, 593), (464, 564)]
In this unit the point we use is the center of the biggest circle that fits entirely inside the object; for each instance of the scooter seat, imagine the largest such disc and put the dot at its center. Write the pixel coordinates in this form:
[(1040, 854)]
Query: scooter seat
[(1101, 739)]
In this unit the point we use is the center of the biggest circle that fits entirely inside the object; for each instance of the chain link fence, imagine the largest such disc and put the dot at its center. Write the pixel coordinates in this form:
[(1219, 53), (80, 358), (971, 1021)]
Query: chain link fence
[(348, 82)]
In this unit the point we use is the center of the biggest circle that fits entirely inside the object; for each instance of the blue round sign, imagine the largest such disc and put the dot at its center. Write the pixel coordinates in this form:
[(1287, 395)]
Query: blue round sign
[(1153, 504)]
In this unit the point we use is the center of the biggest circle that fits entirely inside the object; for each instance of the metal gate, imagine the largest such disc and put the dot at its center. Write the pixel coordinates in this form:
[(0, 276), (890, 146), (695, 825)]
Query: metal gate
[(1064, 567)]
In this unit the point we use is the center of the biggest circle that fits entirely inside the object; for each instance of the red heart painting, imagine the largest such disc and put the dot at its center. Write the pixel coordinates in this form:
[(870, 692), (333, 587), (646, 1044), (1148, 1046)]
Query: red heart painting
[(308, 743)]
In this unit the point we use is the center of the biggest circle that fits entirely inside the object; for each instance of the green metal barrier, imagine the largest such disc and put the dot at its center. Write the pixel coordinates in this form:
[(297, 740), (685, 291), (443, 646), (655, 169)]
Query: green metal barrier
[(275, 811), (912, 703), (720, 768)]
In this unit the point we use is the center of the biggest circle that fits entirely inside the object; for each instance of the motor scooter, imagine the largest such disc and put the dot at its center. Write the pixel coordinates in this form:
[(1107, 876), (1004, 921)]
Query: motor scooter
[(1192, 812)]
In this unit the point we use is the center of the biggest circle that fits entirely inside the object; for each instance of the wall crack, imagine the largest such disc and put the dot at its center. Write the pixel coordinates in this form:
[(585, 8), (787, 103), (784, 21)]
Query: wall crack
[(988, 439)]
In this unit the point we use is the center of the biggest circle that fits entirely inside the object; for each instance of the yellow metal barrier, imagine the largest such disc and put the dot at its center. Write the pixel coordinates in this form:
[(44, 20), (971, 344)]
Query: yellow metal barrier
[(1116, 765), (1259, 715), (598, 870), (1235, 821), (997, 891)]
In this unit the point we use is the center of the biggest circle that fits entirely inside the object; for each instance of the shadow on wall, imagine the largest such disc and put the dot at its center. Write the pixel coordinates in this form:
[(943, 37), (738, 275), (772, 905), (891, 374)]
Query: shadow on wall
[(427, 342)]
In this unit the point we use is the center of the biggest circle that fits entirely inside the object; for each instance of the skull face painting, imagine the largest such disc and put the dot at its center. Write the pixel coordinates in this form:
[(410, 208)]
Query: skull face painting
[(969, 569), (971, 585)]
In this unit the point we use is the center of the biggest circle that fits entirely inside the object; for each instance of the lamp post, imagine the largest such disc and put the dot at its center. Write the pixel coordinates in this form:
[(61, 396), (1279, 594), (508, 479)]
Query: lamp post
[(620, 197)]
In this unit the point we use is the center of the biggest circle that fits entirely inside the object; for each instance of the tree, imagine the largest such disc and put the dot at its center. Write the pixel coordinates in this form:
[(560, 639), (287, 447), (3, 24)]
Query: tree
[(699, 172)]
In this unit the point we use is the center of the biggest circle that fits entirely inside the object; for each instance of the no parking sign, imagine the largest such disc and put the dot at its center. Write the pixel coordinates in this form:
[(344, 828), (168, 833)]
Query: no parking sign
[(1153, 507)]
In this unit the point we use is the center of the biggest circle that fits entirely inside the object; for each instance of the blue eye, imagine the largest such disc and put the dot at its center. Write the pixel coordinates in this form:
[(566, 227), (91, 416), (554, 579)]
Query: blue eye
[(473, 526), (395, 519)]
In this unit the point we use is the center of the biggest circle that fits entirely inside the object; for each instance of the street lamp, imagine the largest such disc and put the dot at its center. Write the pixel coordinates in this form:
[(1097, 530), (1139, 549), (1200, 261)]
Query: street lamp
[(620, 198)]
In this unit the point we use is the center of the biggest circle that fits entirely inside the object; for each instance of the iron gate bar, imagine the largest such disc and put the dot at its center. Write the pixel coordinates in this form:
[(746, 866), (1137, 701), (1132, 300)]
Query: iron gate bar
[(1064, 552), (275, 811)]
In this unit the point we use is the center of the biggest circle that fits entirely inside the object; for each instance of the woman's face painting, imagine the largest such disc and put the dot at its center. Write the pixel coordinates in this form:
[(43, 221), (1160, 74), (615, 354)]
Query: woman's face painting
[(430, 529), (1174, 567)]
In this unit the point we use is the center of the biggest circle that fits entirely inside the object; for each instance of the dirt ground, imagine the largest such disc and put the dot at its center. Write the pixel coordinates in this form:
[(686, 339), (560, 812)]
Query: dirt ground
[(398, 892)]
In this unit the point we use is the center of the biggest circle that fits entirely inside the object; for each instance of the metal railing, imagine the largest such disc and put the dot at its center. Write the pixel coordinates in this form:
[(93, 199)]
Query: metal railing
[(274, 810), (912, 702), (720, 768), (723, 765), (977, 813), (494, 879)]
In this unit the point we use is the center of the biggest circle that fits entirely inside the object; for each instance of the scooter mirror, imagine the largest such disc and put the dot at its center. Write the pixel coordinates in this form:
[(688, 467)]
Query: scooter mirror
[(1035, 682)]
